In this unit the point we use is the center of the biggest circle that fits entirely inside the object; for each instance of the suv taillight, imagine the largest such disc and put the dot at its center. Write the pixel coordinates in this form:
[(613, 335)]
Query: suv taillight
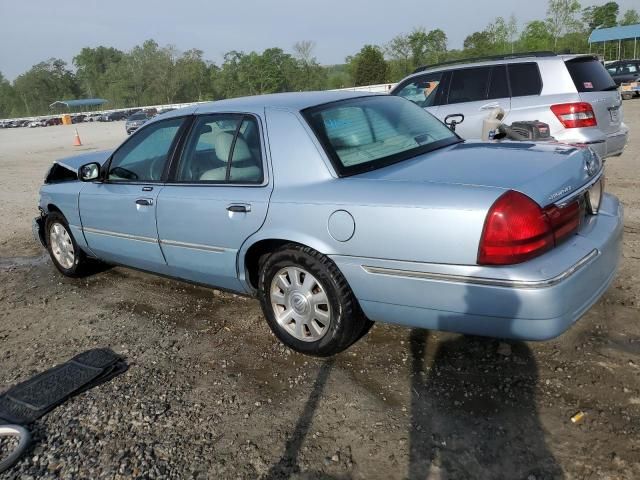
[(575, 115), (517, 229)]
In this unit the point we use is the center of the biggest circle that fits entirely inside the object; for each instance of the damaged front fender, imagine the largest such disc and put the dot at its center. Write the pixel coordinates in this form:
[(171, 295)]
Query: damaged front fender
[(37, 228)]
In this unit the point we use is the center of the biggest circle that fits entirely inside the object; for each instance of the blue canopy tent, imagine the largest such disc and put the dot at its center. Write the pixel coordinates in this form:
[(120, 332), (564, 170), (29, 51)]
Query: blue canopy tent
[(616, 34), (84, 102)]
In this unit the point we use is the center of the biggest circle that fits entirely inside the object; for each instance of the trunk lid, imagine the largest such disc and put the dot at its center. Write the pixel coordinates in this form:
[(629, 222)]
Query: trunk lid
[(546, 172), (595, 86)]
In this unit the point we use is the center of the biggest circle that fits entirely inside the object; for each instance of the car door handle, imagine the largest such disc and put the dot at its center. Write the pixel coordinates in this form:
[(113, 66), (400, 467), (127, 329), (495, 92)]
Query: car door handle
[(490, 106), (146, 202), (239, 208)]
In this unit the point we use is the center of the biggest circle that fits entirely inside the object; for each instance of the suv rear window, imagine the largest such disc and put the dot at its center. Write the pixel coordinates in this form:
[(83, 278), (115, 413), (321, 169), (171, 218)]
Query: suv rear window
[(524, 79), (589, 75)]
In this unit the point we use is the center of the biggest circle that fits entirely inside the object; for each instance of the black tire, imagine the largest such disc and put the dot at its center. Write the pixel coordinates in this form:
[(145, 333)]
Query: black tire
[(347, 324), (81, 265)]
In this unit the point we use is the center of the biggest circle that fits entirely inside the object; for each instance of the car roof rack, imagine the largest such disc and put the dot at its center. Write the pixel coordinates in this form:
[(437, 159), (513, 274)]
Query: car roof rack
[(487, 58)]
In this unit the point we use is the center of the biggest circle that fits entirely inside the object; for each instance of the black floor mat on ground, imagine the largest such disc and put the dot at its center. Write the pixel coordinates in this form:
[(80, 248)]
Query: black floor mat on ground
[(28, 401)]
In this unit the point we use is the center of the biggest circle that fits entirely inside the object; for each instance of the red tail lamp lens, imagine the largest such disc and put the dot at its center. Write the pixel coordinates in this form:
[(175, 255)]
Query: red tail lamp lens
[(575, 115), (564, 221), (517, 229)]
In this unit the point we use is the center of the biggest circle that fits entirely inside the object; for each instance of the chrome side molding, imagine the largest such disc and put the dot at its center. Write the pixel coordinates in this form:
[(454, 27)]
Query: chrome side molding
[(495, 282)]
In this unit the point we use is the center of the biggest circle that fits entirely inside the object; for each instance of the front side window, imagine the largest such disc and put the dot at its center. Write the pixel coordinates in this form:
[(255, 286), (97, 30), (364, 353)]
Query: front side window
[(143, 157), (469, 85), (222, 148), (367, 133), (422, 90)]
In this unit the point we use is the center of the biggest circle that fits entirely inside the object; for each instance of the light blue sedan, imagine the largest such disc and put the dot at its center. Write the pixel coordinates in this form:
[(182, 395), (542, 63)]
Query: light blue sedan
[(340, 209)]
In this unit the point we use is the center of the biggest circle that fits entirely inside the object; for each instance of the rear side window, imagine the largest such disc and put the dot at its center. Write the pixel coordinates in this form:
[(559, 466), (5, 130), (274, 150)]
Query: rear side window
[(589, 75), (469, 85), (222, 148), (524, 79)]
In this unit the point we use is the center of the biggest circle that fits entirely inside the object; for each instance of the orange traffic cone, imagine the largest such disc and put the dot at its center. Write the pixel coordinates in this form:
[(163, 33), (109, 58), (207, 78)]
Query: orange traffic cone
[(76, 140)]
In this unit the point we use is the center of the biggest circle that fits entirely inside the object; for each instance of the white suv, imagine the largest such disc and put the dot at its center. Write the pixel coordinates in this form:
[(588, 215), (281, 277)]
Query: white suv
[(574, 94)]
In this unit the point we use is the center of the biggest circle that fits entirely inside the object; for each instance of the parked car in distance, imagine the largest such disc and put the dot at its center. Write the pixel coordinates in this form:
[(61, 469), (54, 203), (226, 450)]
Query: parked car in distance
[(113, 116), (135, 121), (53, 121), (574, 94), (92, 117), (337, 209), (623, 71)]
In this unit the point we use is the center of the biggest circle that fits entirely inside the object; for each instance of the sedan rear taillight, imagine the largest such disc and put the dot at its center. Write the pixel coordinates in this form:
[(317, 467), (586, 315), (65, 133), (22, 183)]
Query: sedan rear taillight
[(564, 221), (575, 115), (517, 229)]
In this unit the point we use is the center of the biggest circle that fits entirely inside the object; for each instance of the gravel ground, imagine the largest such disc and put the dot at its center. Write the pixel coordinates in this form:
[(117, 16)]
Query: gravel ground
[(210, 393)]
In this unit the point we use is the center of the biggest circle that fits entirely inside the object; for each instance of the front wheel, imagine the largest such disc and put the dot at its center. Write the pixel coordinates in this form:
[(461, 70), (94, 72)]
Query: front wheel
[(63, 249), (308, 303)]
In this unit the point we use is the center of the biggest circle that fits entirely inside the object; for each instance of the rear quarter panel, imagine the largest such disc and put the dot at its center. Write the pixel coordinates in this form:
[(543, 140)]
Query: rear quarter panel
[(412, 221)]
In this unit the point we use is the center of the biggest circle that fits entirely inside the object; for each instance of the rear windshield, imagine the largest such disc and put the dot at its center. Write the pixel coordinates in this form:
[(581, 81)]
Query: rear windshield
[(589, 75), (366, 133)]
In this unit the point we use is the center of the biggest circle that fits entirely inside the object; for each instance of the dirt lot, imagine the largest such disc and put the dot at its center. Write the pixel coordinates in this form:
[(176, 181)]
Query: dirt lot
[(211, 394)]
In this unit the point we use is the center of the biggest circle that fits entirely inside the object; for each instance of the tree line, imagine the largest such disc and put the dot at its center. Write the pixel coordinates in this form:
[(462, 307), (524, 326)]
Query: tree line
[(150, 74)]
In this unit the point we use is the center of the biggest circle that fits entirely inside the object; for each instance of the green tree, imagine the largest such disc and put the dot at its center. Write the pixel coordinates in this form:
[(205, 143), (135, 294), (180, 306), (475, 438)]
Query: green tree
[(535, 37), (43, 84), (479, 44), (407, 52), (398, 51), (630, 17), (427, 47), (602, 16), (561, 18), (7, 97), (368, 66), (91, 68), (193, 76), (311, 74)]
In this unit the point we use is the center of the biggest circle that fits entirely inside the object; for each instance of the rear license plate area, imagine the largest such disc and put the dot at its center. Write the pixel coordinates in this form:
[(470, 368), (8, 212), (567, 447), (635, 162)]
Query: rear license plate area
[(615, 114)]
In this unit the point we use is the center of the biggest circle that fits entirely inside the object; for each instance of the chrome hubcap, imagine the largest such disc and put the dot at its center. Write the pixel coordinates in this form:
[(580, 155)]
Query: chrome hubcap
[(61, 245), (300, 304)]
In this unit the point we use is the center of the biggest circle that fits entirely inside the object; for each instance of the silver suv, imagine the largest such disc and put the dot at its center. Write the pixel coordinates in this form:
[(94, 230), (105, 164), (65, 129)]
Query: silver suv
[(574, 94)]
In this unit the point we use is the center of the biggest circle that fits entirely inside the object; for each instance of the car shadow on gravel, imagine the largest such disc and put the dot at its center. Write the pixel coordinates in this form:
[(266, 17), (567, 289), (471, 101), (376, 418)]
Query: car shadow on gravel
[(473, 409), (288, 463)]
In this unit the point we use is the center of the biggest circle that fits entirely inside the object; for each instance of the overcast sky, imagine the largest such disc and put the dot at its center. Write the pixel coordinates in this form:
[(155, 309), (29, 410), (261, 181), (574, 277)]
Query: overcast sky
[(35, 30)]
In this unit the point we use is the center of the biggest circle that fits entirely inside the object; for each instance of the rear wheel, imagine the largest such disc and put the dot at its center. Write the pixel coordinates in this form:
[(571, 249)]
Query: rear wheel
[(63, 249), (308, 303)]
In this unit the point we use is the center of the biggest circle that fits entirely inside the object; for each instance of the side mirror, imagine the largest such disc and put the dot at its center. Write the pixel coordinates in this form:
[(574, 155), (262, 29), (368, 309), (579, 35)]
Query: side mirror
[(452, 120), (89, 172)]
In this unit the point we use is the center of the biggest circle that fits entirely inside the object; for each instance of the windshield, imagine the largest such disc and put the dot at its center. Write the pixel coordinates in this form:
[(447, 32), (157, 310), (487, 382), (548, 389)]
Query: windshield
[(138, 116), (366, 133)]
